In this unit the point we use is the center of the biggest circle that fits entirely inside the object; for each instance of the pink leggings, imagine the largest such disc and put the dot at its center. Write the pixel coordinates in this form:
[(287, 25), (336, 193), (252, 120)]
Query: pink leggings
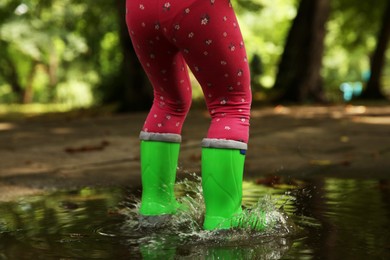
[(169, 34)]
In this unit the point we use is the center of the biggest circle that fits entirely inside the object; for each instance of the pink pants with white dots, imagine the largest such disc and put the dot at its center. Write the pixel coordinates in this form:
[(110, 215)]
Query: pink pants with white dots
[(167, 36)]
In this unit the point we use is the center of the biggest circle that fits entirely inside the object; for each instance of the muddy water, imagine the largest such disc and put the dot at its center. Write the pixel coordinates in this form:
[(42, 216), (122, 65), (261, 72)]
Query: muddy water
[(316, 219)]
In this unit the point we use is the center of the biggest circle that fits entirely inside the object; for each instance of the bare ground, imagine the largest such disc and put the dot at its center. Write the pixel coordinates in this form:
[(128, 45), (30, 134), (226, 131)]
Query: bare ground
[(66, 151)]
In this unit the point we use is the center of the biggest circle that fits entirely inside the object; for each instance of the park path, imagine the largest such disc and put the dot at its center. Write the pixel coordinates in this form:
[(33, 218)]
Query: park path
[(44, 153)]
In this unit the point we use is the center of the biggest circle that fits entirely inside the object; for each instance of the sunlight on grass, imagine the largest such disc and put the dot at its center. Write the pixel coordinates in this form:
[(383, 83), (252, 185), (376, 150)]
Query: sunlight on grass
[(34, 109)]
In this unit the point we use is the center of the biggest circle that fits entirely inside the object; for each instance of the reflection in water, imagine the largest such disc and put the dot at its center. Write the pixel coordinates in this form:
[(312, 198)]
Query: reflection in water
[(335, 219), (183, 236)]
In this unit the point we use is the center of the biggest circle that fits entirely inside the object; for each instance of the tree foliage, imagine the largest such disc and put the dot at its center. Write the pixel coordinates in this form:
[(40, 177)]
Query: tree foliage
[(54, 51), (351, 39), (79, 53)]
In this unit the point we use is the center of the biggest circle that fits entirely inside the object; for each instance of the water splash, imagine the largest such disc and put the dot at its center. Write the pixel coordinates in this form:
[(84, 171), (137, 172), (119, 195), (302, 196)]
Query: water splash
[(184, 229)]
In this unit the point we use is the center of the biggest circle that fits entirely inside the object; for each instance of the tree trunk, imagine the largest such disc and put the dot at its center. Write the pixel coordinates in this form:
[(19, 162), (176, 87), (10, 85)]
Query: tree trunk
[(29, 91), (133, 93), (299, 77), (51, 70), (373, 88), (12, 77)]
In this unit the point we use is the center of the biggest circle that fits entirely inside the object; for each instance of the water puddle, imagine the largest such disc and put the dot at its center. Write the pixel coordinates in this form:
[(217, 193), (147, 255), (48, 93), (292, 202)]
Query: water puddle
[(312, 219)]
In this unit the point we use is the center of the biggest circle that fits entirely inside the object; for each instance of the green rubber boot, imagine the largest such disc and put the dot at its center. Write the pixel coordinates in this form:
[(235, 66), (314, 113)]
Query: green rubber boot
[(222, 171), (222, 174), (158, 168)]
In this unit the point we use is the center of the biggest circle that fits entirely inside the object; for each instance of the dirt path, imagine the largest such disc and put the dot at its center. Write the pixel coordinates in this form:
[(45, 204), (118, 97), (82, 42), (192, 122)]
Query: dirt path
[(67, 151)]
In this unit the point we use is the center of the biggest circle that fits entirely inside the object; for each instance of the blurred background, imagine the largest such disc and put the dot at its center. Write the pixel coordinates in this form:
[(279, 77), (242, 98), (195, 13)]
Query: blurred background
[(59, 55)]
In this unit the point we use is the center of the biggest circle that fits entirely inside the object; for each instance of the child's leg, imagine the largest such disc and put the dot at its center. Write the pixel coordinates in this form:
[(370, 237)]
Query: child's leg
[(213, 47), (164, 65), (161, 134)]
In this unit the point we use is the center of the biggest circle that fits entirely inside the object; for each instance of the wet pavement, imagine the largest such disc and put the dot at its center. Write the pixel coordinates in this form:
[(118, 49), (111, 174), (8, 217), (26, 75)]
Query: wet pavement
[(40, 154)]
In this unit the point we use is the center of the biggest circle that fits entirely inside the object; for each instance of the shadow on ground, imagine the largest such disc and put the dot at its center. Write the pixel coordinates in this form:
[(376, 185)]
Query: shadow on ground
[(69, 151)]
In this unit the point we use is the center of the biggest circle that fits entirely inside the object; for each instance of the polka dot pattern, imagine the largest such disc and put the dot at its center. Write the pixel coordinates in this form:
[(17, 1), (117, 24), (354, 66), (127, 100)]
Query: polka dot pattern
[(168, 36)]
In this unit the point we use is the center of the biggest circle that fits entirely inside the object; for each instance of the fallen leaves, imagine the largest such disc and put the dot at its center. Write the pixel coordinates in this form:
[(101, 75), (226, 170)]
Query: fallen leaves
[(345, 162), (277, 181), (88, 148), (321, 162)]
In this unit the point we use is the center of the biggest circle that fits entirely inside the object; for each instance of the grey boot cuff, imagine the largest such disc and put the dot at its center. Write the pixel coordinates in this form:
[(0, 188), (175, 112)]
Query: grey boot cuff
[(223, 143), (171, 138)]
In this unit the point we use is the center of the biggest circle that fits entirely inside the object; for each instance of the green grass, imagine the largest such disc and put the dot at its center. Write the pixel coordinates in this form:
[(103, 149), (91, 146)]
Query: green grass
[(31, 109), (18, 111)]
